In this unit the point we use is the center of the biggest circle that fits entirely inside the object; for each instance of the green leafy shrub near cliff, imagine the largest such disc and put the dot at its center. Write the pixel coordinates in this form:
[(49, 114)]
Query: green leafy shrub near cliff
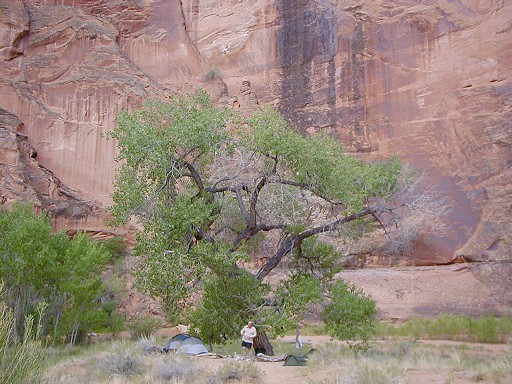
[(144, 326), (351, 316), (37, 265)]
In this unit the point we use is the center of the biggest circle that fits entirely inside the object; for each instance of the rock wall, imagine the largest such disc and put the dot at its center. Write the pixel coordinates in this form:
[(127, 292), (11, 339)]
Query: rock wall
[(429, 80), (465, 289)]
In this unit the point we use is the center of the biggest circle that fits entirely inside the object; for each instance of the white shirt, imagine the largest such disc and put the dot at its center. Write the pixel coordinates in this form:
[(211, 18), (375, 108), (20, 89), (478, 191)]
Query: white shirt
[(248, 334)]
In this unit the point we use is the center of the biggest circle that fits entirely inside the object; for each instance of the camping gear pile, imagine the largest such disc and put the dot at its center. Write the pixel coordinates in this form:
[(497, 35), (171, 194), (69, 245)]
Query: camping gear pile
[(184, 343)]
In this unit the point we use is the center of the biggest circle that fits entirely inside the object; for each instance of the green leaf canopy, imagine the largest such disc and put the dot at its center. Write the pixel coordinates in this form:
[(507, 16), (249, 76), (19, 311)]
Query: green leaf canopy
[(208, 188)]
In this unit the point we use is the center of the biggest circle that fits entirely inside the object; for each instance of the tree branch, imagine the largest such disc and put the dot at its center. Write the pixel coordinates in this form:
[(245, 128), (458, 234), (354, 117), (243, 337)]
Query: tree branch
[(250, 232), (287, 246), (241, 206), (194, 174), (254, 201)]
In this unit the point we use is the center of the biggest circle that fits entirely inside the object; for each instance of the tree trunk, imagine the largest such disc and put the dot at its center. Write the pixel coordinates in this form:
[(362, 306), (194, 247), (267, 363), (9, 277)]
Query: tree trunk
[(262, 344)]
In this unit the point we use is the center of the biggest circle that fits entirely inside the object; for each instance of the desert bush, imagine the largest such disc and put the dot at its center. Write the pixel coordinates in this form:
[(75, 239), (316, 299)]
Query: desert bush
[(144, 326), (330, 353), (246, 372), (368, 374), (123, 360), (22, 360), (391, 362), (175, 367), (148, 345), (213, 73)]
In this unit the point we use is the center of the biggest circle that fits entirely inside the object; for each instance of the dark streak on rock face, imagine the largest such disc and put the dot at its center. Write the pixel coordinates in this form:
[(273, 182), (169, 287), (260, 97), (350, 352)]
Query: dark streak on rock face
[(306, 42), (353, 88), (321, 66)]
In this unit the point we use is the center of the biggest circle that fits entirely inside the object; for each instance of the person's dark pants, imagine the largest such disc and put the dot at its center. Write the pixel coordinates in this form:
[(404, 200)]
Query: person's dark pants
[(246, 347)]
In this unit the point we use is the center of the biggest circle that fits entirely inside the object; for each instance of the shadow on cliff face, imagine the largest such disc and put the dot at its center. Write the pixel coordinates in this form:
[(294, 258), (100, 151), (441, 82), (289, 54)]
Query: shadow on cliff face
[(461, 219)]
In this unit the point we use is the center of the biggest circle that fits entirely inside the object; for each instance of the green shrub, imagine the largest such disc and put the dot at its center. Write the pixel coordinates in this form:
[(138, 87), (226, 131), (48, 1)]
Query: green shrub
[(144, 326), (484, 329), (116, 322), (116, 246), (38, 264), (213, 73), (351, 315)]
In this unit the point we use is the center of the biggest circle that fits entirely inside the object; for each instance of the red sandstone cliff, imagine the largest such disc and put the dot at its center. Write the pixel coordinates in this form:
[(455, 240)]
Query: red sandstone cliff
[(430, 80)]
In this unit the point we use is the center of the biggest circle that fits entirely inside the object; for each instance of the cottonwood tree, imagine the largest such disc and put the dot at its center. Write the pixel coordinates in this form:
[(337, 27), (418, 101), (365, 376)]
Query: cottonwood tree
[(205, 186)]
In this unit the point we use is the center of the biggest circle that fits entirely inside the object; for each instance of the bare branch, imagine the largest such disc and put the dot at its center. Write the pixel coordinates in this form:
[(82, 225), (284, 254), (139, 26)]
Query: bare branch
[(194, 174), (419, 210), (305, 186), (250, 232)]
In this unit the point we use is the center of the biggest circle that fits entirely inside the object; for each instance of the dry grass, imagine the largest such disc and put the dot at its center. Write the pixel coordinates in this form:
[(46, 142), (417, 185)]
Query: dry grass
[(401, 361), (389, 361), (243, 372), (22, 358), (484, 329)]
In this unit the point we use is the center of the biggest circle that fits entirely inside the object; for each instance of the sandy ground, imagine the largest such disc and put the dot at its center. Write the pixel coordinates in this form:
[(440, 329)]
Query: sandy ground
[(337, 372), (277, 373)]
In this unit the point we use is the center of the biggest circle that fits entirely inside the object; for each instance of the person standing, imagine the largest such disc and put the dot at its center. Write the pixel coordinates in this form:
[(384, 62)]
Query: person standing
[(248, 333)]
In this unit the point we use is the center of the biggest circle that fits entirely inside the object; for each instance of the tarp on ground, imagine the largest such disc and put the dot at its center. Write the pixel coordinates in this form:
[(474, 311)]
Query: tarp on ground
[(293, 360), (263, 357), (184, 343)]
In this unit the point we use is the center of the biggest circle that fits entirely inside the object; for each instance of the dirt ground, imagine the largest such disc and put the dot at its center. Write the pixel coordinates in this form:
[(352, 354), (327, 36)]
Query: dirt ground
[(277, 373), (341, 370)]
